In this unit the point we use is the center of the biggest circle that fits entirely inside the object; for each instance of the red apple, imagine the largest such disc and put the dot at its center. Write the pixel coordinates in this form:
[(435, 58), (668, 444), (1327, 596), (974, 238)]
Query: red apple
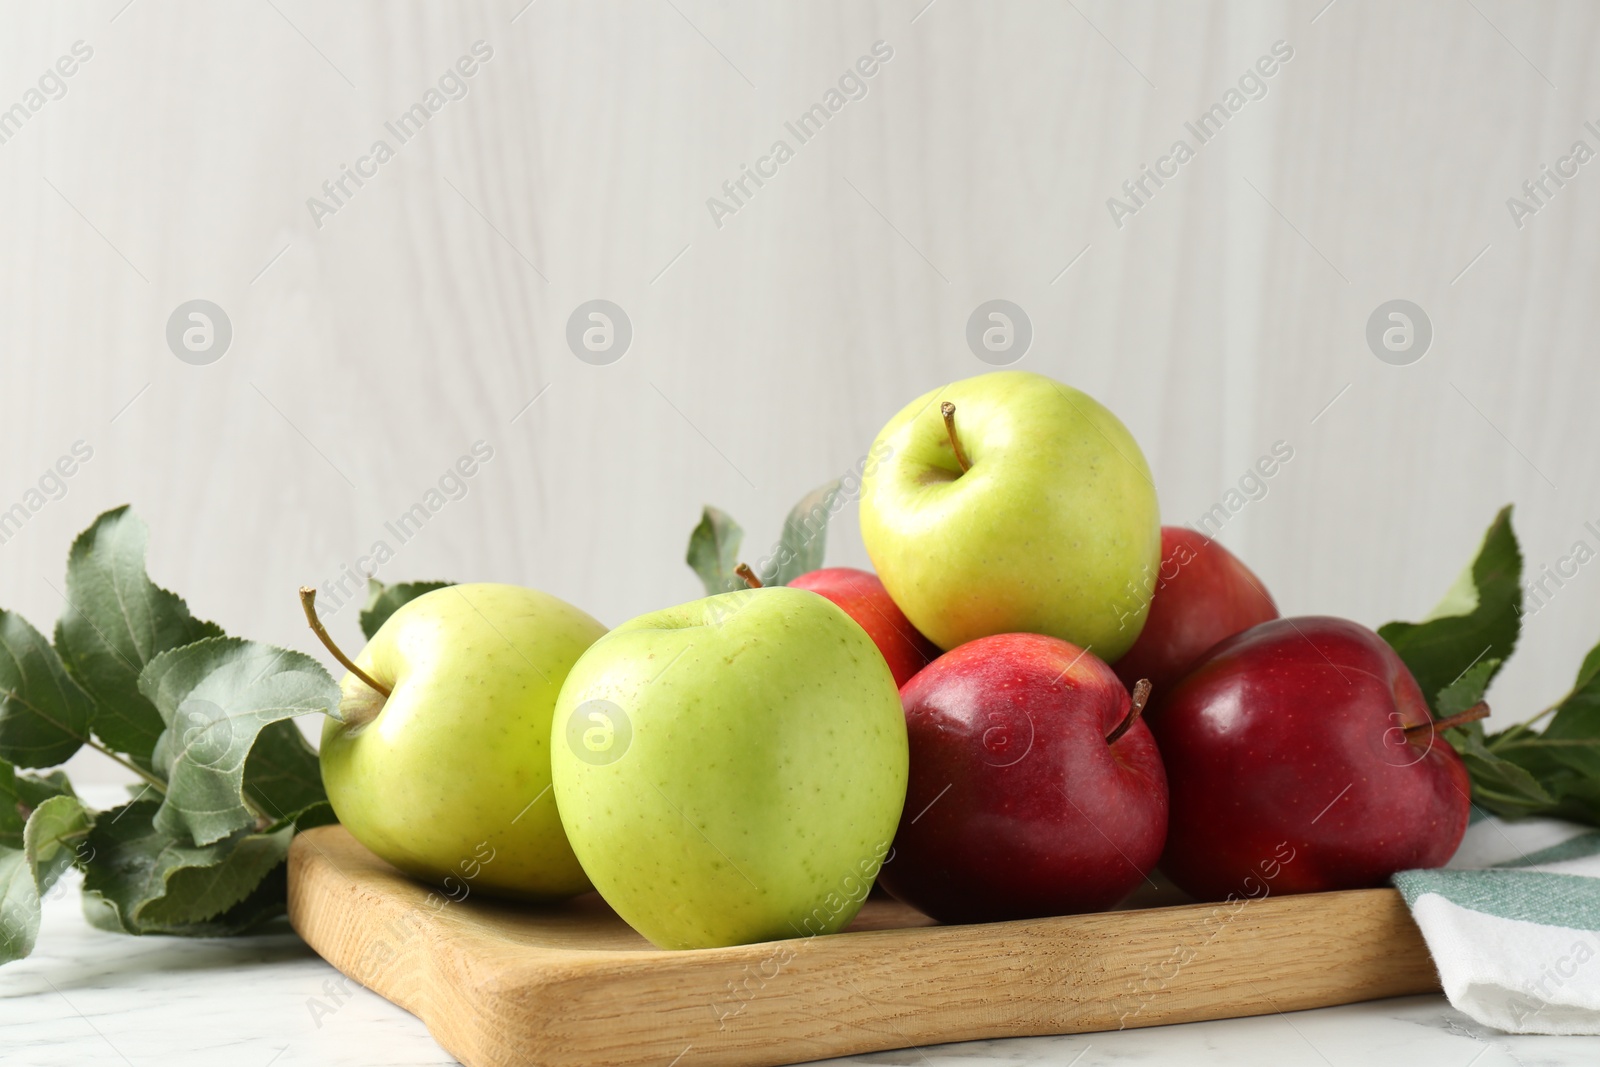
[(1302, 757), (1034, 790), (1202, 594), (862, 597)]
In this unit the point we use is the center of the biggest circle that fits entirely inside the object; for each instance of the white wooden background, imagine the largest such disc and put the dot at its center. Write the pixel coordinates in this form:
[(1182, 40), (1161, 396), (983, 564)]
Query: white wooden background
[(370, 352)]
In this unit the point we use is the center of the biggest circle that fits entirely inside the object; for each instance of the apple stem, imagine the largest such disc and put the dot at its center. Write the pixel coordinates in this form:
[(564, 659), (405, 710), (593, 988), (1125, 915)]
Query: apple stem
[(743, 570), (948, 410), (308, 601), (1141, 695), (1480, 710)]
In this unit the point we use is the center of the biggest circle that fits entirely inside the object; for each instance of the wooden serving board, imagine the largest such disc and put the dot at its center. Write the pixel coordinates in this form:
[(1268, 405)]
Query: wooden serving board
[(501, 985)]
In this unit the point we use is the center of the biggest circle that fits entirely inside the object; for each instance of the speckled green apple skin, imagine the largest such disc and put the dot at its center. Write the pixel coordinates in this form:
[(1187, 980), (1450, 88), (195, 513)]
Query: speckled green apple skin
[(457, 763), (764, 778), (1054, 529)]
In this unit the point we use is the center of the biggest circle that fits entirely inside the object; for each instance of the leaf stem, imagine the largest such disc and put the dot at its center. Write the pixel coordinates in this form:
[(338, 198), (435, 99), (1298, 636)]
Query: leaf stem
[(1513, 734), (1540, 741), (155, 783), (263, 820), (1506, 798)]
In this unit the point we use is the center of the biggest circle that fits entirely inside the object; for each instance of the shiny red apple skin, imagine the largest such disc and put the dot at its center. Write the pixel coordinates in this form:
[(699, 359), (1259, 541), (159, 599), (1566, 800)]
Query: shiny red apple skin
[(1202, 594), (1291, 771), (1017, 807), (862, 597)]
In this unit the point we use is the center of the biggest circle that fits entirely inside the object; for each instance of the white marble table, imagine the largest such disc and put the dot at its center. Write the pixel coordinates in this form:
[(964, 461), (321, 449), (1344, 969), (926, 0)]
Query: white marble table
[(89, 997)]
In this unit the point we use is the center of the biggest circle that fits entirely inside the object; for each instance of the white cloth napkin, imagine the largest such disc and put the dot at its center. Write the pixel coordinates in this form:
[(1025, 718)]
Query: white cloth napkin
[(1513, 923)]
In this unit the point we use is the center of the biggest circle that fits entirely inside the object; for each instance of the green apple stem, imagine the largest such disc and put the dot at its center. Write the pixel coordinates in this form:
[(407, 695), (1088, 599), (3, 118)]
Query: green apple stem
[(743, 570), (1141, 695), (308, 601), (948, 410), (1480, 710)]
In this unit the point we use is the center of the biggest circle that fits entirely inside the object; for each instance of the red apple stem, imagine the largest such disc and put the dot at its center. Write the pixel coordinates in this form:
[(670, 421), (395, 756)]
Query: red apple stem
[(743, 570), (948, 410), (1480, 710), (1141, 696), (308, 601)]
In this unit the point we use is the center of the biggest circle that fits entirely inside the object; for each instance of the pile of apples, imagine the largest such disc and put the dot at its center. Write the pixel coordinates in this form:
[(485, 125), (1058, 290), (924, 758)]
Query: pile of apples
[(1040, 696)]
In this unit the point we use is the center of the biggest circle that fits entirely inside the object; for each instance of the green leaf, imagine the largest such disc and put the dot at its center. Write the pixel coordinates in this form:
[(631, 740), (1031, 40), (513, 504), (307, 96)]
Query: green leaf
[(1577, 715), (144, 880), (35, 789), (1498, 785), (12, 810), (804, 539), (20, 794), (309, 817), (1468, 689), (19, 906), (382, 600), (1520, 771), (282, 777), (52, 842), (44, 716), (116, 622), (714, 551), (1479, 618), (714, 544), (199, 897), (54, 839), (1565, 757), (215, 696)]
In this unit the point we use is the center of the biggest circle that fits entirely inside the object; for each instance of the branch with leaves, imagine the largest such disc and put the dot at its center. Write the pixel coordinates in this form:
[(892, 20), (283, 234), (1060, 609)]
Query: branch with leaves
[(1457, 651), (202, 719)]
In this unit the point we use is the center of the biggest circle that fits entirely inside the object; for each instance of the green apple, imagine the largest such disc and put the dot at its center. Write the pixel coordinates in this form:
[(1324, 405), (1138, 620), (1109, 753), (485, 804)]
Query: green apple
[(732, 770), (1051, 526), (448, 778)]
